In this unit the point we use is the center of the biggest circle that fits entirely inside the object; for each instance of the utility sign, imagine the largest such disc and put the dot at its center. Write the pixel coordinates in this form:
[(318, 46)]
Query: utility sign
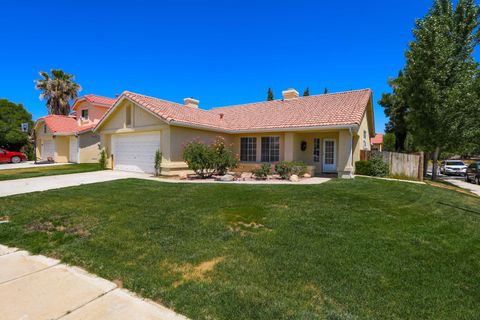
[(25, 127)]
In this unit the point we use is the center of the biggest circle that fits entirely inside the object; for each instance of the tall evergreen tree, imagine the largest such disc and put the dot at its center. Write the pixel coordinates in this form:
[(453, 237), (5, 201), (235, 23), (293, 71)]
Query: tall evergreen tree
[(325, 91), (58, 89), (396, 110), (306, 93), (439, 76), (270, 95)]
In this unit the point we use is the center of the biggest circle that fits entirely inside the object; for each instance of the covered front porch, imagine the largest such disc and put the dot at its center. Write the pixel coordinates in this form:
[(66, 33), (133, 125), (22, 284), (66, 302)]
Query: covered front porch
[(324, 151)]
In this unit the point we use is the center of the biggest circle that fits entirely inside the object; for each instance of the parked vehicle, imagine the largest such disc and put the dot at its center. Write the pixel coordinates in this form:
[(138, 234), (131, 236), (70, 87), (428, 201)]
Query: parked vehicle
[(453, 167), (473, 173), (11, 156)]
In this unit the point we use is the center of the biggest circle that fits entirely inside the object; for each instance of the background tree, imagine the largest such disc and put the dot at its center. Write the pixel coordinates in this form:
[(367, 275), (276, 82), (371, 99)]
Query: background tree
[(58, 89), (12, 116), (306, 93), (389, 142), (396, 110), (439, 76), (270, 95), (325, 91)]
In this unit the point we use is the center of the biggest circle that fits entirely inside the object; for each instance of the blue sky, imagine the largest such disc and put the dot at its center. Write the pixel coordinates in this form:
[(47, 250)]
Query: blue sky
[(220, 52)]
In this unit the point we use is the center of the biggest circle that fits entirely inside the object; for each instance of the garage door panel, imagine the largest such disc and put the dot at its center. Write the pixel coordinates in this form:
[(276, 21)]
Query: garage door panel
[(136, 152), (48, 149)]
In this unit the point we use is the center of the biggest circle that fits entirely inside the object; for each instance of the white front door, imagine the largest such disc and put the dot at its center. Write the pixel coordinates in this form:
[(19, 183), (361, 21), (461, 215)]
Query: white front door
[(329, 156), (73, 149), (48, 149), (135, 152)]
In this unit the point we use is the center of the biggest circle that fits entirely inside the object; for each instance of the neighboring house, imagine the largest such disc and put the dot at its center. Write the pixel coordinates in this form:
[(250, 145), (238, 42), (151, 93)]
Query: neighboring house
[(325, 131), (70, 138), (377, 142)]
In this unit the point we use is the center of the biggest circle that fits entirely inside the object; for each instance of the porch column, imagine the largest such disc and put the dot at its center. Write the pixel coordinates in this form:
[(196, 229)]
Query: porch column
[(345, 154), (288, 146)]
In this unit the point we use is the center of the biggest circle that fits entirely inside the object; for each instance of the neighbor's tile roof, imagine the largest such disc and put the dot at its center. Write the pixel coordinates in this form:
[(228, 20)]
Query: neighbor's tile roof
[(61, 124), (94, 99), (378, 139), (342, 108)]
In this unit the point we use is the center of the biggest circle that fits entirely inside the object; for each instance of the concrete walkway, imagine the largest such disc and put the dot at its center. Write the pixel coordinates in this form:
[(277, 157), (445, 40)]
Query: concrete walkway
[(28, 164), (37, 287), (11, 187), (461, 183)]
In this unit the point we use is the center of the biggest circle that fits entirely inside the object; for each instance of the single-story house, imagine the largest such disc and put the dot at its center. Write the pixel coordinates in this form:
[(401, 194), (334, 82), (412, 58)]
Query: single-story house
[(71, 138), (377, 142), (325, 131)]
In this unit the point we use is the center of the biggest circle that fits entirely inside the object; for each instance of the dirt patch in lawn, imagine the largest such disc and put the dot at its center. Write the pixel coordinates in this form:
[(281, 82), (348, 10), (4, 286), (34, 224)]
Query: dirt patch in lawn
[(48, 227), (198, 272)]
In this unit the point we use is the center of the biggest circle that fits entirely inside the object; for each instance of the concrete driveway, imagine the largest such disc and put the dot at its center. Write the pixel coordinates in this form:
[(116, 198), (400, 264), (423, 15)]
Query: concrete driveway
[(11, 187), (37, 287), (28, 164)]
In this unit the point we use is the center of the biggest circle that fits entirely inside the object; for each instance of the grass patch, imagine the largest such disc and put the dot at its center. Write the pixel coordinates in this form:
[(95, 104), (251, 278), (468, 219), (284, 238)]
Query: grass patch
[(346, 249), (40, 171)]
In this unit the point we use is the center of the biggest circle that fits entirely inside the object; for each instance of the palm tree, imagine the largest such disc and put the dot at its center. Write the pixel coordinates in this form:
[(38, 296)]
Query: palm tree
[(58, 90)]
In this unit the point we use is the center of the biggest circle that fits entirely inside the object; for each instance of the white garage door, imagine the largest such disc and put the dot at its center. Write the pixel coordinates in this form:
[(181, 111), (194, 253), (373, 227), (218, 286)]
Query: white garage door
[(48, 149), (73, 149), (135, 152)]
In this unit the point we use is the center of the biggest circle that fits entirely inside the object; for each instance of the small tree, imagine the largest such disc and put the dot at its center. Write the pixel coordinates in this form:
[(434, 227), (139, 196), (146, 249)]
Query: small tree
[(306, 93), (199, 158), (102, 161), (325, 91), (270, 95), (158, 163)]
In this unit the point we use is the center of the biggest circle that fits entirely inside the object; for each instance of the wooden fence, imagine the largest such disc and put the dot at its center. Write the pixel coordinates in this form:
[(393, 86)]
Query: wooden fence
[(401, 164)]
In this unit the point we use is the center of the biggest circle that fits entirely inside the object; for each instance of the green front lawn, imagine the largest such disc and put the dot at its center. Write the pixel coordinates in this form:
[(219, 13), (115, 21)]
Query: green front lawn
[(359, 249), (41, 170)]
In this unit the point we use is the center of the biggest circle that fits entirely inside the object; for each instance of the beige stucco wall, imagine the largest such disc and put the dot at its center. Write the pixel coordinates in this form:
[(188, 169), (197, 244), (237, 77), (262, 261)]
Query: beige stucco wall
[(179, 136), (89, 147), (95, 113)]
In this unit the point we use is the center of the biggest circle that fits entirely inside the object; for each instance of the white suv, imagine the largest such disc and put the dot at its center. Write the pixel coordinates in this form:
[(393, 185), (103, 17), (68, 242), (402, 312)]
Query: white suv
[(453, 167)]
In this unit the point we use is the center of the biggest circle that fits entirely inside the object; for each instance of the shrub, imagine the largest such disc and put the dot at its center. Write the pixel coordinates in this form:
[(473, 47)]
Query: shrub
[(379, 167), (102, 161), (363, 167), (262, 172), (158, 163), (375, 166), (224, 158), (199, 158), (299, 168), (207, 160), (285, 168)]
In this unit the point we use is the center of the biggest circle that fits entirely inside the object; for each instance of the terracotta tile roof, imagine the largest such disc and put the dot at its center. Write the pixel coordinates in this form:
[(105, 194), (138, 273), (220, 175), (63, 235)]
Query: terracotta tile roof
[(344, 108), (94, 99), (65, 124), (378, 139)]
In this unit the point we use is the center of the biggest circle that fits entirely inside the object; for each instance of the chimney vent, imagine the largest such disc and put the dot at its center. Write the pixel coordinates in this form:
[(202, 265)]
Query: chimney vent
[(290, 94), (190, 102), (221, 115)]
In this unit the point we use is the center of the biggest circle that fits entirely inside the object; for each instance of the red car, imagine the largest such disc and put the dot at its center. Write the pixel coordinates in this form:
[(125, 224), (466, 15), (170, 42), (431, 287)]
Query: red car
[(11, 156)]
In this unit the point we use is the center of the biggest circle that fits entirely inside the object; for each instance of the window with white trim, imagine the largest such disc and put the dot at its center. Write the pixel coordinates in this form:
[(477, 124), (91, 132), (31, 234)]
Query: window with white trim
[(316, 150), (270, 149), (248, 149)]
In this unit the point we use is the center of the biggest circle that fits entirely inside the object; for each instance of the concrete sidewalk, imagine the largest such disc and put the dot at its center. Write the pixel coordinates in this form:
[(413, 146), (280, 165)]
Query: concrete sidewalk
[(12, 187), (37, 287)]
